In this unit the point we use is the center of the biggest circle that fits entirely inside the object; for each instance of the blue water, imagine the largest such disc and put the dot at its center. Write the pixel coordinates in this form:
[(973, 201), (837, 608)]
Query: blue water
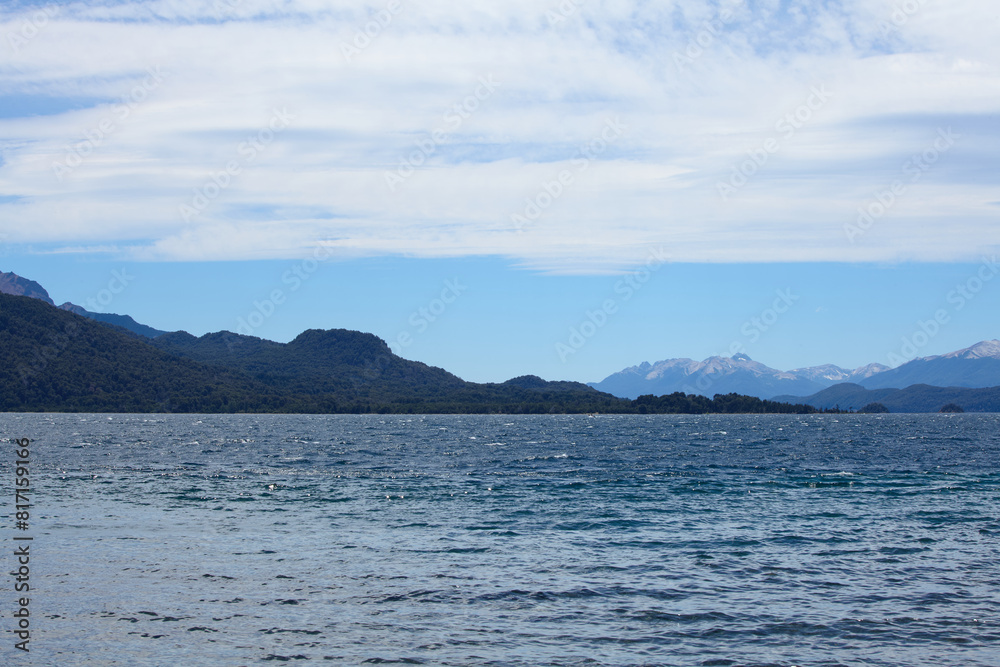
[(499, 540)]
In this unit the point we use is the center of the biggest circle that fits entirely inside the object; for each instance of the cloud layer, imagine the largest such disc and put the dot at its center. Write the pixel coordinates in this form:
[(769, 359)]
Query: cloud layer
[(570, 137)]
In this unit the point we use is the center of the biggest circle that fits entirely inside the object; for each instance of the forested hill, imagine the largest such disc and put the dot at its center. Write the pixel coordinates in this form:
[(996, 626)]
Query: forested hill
[(339, 361), (51, 359), (54, 360), (916, 398)]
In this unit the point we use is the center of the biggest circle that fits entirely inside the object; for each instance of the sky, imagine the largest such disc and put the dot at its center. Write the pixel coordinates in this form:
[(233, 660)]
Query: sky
[(564, 189)]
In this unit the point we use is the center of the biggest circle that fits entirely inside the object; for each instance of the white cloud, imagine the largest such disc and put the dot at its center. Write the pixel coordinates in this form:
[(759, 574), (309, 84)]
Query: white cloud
[(145, 149)]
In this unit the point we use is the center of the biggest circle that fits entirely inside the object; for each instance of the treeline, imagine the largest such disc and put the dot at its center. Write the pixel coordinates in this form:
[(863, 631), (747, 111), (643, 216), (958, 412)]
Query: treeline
[(729, 404)]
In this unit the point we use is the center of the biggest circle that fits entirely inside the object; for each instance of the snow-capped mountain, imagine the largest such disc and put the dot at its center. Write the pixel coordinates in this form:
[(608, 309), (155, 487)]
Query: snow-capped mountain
[(828, 373), (977, 366), (715, 375), (866, 372)]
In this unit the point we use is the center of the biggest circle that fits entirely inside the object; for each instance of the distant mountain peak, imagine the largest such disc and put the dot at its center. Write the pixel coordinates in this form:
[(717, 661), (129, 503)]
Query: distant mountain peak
[(15, 285), (987, 349), (739, 356), (73, 308)]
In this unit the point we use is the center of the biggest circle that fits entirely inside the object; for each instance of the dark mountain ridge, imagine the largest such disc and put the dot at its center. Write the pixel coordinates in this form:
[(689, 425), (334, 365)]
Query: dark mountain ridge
[(15, 285), (123, 321), (55, 360), (340, 361)]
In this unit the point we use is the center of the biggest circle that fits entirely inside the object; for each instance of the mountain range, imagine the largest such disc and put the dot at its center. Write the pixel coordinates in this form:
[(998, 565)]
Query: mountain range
[(69, 358), (974, 367)]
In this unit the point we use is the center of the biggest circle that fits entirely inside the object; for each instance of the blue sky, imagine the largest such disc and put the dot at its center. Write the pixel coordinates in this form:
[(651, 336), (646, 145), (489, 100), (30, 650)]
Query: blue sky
[(843, 153)]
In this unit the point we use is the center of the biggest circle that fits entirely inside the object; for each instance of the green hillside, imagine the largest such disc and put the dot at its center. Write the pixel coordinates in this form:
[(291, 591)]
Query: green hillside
[(51, 359)]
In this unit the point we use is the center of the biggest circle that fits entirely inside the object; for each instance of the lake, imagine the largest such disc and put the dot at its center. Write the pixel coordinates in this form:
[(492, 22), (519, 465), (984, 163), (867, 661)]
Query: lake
[(508, 540)]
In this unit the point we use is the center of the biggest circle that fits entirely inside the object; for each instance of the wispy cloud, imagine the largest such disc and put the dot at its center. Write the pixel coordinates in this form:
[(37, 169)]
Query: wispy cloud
[(698, 94)]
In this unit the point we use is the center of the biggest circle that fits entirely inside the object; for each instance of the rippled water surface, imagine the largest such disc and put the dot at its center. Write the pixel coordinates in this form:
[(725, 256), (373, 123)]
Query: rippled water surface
[(499, 540)]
